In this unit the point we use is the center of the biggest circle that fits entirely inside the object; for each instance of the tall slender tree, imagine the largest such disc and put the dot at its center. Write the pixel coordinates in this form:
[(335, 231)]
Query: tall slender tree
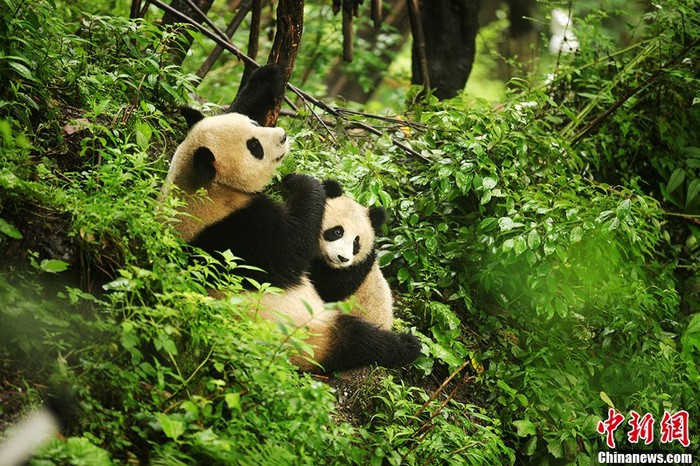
[(444, 44)]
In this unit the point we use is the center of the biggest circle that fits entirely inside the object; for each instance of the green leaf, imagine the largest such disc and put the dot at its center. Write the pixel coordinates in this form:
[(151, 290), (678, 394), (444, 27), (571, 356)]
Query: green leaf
[(691, 337), (53, 265), (520, 245), (487, 224), (692, 152), (489, 183), (693, 191), (554, 447), (530, 446), (534, 240), (171, 428), (623, 209), (233, 401), (606, 399), (525, 428), (507, 223), (8, 229), (576, 235), (23, 71), (677, 178)]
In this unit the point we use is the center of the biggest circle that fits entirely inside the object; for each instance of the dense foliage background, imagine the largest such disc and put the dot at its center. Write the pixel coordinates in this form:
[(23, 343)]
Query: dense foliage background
[(545, 249)]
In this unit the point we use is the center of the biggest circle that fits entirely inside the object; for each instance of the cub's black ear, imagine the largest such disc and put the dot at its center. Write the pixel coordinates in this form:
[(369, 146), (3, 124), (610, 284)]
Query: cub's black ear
[(332, 188), (203, 165), (377, 216), (192, 116), (260, 94)]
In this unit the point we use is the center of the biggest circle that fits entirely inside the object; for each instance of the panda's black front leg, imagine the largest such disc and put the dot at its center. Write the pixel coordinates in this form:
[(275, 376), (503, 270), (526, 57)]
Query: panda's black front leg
[(305, 200)]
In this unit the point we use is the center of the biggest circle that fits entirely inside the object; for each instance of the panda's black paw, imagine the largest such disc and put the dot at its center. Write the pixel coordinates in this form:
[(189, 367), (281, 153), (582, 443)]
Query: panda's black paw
[(300, 183), (411, 348)]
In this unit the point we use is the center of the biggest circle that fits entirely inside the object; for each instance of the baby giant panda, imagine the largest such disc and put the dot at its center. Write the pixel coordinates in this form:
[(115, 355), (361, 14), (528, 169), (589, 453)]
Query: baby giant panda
[(232, 159), (347, 261)]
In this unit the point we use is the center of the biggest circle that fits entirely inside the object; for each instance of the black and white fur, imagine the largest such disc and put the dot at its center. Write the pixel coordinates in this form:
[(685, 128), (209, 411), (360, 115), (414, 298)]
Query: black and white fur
[(347, 261), (232, 159)]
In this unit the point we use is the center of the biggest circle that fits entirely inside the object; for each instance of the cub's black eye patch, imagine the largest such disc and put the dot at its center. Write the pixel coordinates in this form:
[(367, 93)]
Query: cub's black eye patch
[(255, 148), (333, 234), (356, 246)]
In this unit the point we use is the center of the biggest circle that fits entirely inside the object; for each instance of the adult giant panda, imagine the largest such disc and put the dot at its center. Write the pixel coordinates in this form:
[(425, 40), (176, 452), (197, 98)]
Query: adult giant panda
[(347, 261), (232, 158)]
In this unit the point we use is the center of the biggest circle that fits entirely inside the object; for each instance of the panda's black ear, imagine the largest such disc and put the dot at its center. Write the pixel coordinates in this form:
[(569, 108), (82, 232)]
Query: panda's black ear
[(203, 165), (260, 94), (192, 116), (377, 216), (332, 188)]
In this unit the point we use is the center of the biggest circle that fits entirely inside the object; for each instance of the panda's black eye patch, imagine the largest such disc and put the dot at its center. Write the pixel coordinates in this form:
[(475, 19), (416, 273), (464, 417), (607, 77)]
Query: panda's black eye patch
[(356, 246), (333, 234), (255, 148)]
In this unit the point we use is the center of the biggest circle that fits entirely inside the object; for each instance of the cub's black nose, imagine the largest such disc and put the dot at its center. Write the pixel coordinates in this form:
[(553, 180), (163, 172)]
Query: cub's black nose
[(343, 259)]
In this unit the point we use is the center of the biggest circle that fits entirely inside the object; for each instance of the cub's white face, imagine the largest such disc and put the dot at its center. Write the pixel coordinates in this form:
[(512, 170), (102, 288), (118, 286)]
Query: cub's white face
[(228, 151), (347, 235)]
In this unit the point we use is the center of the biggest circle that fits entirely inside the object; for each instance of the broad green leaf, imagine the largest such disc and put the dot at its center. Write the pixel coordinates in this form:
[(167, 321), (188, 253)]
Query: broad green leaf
[(524, 428), (693, 191), (554, 446), (623, 210), (8, 229), (534, 240), (171, 428), (676, 179), (22, 71), (693, 152), (576, 235), (530, 446), (487, 224), (489, 183), (233, 401), (505, 223), (691, 337), (520, 245), (53, 265)]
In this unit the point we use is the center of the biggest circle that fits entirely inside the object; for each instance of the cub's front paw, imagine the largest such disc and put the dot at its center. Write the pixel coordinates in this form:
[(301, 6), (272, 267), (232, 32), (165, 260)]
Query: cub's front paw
[(300, 182)]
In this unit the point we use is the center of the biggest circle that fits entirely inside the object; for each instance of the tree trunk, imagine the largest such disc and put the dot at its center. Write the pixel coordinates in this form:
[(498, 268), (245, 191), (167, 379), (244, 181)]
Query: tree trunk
[(449, 32), (290, 25), (340, 84)]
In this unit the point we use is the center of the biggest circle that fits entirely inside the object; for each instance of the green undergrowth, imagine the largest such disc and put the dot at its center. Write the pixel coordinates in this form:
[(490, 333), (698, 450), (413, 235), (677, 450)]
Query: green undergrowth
[(547, 258)]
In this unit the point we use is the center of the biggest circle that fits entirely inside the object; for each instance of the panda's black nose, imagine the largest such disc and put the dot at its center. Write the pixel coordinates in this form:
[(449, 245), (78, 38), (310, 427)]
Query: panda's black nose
[(343, 259)]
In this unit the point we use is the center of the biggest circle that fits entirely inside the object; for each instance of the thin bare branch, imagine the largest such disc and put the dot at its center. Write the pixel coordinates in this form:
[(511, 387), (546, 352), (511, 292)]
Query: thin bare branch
[(440, 389), (228, 45), (230, 31)]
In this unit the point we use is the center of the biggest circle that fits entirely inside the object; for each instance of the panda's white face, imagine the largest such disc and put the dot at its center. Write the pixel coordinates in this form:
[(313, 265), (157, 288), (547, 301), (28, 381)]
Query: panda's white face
[(347, 234), (228, 151)]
